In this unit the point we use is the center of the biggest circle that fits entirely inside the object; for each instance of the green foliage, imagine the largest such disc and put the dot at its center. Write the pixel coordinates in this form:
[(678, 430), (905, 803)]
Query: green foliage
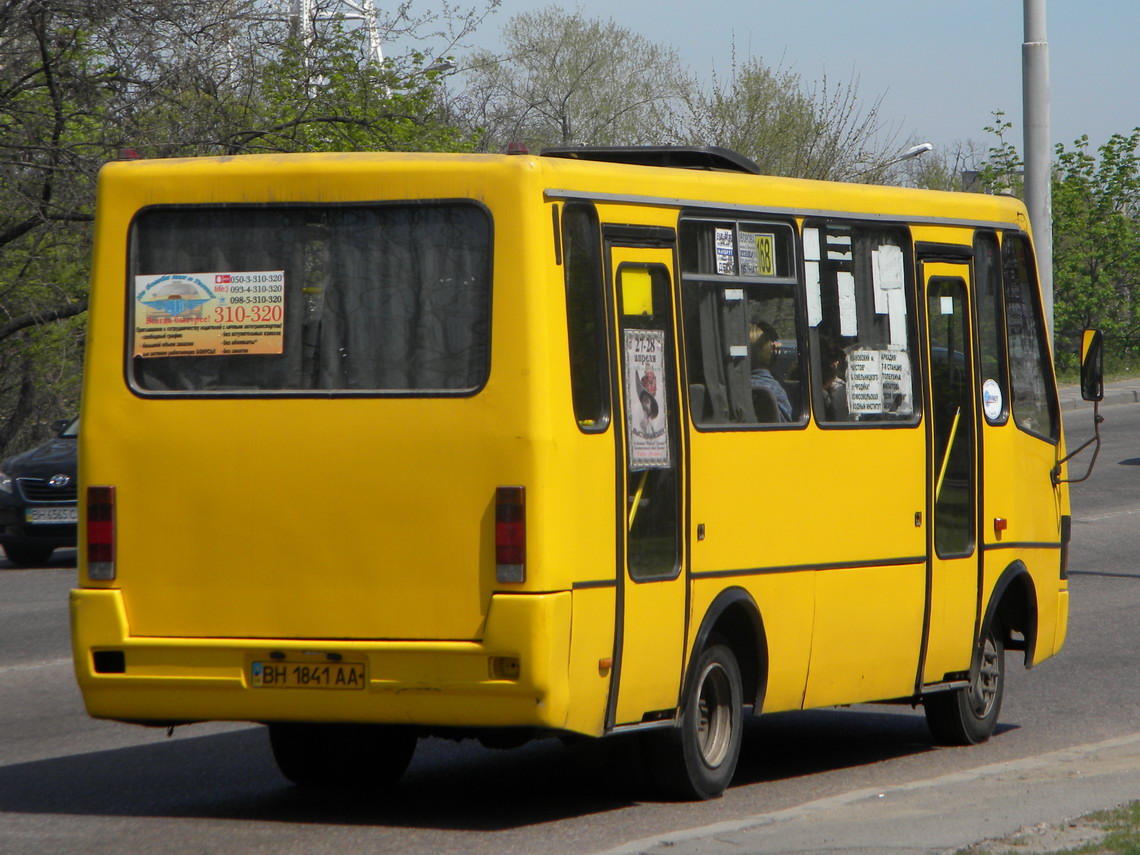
[(52, 126), (1096, 240), (83, 81), (1122, 827), (1003, 171), (348, 103), (1096, 234)]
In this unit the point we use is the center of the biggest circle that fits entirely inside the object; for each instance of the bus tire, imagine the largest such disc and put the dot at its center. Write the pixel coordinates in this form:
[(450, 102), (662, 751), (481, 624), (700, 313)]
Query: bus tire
[(968, 716), (697, 758), (342, 755)]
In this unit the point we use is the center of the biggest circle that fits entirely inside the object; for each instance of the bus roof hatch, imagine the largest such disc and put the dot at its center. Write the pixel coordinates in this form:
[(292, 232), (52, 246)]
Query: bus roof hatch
[(683, 156)]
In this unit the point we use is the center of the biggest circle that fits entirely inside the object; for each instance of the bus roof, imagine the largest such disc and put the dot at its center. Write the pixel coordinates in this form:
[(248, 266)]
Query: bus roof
[(686, 177)]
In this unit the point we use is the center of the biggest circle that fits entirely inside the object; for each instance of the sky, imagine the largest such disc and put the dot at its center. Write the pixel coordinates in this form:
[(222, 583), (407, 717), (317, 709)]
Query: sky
[(941, 67)]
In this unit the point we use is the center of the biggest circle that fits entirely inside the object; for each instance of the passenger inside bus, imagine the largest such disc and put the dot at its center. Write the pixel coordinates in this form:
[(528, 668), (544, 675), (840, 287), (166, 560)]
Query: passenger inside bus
[(769, 398), (834, 386)]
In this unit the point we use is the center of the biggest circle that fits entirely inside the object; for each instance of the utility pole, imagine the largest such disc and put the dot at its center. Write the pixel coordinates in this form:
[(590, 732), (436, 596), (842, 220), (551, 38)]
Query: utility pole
[(1038, 147)]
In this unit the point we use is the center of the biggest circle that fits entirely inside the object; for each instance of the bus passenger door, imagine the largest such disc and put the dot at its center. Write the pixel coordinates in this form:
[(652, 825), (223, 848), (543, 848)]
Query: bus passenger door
[(649, 641), (952, 503)]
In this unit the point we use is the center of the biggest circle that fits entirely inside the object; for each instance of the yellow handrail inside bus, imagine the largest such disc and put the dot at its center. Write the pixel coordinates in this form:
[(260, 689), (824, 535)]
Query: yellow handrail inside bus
[(946, 456), (637, 498)]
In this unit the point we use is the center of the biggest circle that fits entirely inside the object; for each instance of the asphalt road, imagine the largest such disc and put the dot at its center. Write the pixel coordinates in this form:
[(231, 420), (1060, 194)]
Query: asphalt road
[(856, 779)]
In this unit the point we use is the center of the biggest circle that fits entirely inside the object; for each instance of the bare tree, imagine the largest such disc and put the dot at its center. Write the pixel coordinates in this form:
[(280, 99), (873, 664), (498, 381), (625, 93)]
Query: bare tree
[(758, 111), (947, 167), (565, 79), (824, 131)]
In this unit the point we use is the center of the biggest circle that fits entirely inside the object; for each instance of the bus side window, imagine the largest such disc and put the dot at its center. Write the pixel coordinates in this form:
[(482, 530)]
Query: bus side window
[(991, 328), (861, 319), (586, 317), (1031, 378), (741, 322)]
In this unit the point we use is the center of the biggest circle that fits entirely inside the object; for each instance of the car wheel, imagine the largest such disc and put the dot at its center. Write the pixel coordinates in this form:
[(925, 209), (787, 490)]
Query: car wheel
[(29, 556)]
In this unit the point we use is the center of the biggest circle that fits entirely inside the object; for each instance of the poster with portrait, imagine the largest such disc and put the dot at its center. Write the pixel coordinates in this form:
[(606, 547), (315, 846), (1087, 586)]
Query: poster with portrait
[(646, 406)]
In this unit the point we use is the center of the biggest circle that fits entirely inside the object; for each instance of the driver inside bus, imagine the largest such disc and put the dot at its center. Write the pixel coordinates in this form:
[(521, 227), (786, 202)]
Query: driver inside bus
[(764, 344)]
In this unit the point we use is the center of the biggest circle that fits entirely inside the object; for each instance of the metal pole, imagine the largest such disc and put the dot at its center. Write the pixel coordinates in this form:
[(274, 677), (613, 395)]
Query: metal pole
[(1038, 147)]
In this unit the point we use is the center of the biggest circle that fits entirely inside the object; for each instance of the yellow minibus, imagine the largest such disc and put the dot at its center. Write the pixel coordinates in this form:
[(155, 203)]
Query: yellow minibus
[(597, 441)]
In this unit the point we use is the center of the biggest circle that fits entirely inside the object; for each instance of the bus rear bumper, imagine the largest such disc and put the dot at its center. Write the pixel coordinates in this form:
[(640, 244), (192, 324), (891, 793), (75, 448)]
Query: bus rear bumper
[(515, 676)]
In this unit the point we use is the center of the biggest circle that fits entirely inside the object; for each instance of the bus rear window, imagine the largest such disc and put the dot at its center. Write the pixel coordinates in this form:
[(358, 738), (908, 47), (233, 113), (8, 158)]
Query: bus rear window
[(381, 299)]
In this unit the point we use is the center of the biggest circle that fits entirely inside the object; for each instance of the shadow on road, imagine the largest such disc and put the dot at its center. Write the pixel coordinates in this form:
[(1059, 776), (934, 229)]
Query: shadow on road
[(59, 558), (450, 786)]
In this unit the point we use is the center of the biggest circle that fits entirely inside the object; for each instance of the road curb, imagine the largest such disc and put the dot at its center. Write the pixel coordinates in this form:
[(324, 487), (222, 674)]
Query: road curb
[(1114, 394)]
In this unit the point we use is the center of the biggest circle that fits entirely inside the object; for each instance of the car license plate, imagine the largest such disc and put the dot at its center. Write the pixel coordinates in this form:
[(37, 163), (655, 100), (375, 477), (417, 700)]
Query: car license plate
[(63, 514), (307, 675)]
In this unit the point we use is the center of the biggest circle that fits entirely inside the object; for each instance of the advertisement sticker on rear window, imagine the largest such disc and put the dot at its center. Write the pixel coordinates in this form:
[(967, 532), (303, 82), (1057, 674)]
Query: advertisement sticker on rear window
[(209, 314)]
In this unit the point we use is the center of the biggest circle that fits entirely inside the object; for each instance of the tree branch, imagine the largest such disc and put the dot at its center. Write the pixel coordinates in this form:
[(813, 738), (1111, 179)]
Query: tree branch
[(33, 319), (18, 230)]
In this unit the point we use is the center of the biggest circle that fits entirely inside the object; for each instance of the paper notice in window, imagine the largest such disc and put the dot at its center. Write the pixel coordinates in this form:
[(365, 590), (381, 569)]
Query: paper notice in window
[(896, 309), (209, 314), (890, 267), (887, 272), (757, 255), (725, 253), (864, 386), (848, 315), (894, 375), (811, 244), (814, 298), (879, 381)]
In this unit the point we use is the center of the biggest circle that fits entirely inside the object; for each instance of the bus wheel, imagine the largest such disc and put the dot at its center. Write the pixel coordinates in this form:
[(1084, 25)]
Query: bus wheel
[(968, 716), (697, 758), (342, 755)]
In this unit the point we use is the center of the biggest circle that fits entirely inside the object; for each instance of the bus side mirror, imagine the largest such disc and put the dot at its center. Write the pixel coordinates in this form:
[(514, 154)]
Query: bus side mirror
[(1092, 365), (1092, 389)]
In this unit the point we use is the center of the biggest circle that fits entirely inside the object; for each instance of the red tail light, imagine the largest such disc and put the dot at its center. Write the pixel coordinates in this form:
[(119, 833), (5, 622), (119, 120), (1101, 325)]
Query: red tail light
[(101, 533), (510, 534)]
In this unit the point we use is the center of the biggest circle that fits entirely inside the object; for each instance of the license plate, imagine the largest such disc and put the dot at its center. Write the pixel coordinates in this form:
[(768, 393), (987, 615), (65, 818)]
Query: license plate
[(64, 514), (307, 675)]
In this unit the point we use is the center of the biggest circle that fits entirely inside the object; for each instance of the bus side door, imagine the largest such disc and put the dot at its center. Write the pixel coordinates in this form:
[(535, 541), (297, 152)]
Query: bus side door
[(953, 573), (652, 590)]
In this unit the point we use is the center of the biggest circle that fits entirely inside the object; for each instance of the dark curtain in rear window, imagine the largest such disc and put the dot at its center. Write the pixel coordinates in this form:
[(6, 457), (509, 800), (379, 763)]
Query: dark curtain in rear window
[(382, 299)]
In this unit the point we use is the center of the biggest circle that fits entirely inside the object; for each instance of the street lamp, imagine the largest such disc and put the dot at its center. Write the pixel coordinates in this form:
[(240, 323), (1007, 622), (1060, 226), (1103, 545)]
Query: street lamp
[(441, 65), (912, 152)]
